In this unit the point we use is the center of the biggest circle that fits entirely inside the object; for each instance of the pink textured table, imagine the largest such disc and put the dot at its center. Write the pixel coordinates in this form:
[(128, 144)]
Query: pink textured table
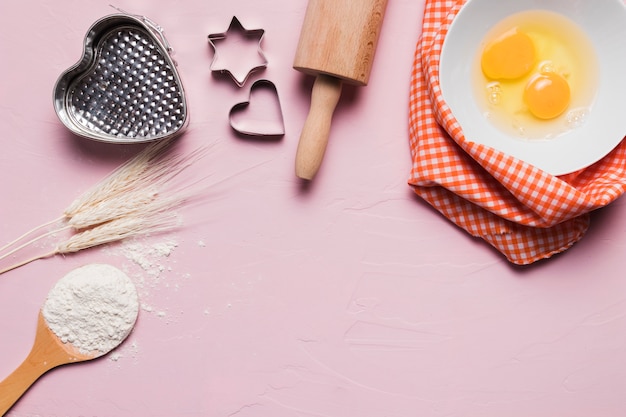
[(347, 297)]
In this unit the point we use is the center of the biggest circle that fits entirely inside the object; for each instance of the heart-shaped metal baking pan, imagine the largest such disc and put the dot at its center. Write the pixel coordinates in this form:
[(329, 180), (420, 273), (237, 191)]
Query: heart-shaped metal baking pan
[(125, 88)]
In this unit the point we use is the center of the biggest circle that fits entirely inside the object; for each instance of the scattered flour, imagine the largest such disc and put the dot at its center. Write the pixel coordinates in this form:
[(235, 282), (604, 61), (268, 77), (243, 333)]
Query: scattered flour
[(149, 257), (151, 266), (128, 350), (93, 308)]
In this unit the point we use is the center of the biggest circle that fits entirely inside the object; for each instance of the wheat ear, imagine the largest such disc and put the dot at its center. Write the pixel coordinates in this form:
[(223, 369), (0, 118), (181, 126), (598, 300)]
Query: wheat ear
[(146, 167), (134, 187), (119, 181), (155, 216)]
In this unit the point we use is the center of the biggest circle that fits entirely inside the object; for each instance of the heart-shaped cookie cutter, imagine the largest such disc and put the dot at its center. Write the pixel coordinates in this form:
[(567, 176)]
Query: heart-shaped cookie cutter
[(268, 124), (125, 88)]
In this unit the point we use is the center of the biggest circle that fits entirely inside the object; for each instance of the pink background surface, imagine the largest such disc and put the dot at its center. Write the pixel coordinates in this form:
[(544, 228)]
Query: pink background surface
[(349, 297)]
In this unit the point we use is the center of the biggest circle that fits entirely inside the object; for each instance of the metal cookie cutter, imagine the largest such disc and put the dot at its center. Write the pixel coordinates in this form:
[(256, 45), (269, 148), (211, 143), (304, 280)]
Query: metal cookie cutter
[(261, 115), (237, 65), (125, 88)]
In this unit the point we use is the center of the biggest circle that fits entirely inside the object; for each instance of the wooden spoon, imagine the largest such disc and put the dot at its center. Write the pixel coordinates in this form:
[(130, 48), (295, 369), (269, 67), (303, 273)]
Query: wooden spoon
[(48, 352)]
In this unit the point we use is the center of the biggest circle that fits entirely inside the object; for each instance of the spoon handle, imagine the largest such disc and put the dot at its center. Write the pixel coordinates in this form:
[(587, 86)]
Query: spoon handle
[(47, 353), (16, 384)]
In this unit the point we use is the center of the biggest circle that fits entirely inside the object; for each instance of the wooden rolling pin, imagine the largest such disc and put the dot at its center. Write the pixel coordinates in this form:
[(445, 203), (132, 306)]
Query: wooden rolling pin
[(337, 45)]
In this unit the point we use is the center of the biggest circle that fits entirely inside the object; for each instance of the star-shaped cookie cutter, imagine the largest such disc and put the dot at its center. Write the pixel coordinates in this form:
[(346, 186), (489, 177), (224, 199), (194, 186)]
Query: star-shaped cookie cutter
[(236, 27)]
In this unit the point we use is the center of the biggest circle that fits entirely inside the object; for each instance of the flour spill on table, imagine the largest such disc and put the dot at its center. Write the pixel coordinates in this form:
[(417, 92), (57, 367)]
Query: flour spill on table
[(153, 267), (151, 263), (128, 350)]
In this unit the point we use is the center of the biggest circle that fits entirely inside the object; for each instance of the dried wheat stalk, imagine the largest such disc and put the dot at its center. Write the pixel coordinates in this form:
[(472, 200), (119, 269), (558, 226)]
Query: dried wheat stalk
[(134, 199)]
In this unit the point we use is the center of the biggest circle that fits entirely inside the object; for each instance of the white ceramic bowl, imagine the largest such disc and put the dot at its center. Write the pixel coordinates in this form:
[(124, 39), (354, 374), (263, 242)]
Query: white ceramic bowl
[(603, 22)]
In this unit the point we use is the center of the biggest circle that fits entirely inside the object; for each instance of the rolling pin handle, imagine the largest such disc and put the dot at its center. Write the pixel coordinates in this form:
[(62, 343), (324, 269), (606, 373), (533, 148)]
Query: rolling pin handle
[(314, 137)]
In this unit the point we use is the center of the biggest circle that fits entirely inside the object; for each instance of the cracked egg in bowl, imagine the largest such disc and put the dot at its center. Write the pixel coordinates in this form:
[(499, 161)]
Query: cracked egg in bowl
[(541, 81)]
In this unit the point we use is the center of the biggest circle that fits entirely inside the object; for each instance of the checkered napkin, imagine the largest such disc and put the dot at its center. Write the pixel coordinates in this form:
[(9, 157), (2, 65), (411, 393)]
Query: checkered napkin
[(522, 211)]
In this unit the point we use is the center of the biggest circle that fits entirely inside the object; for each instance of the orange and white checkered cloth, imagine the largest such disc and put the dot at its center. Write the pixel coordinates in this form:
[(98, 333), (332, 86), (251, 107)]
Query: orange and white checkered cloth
[(524, 212)]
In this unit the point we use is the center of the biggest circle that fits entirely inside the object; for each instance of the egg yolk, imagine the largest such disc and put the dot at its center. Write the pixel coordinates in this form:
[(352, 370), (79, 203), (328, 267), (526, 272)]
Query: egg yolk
[(547, 95), (508, 57)]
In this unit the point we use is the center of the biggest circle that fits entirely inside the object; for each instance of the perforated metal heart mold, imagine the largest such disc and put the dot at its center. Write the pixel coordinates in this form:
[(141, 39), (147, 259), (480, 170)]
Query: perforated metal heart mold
[(125, 88)]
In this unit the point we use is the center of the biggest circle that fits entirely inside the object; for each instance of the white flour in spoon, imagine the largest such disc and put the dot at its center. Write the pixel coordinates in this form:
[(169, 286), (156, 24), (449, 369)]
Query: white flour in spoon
[(93, 308)]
